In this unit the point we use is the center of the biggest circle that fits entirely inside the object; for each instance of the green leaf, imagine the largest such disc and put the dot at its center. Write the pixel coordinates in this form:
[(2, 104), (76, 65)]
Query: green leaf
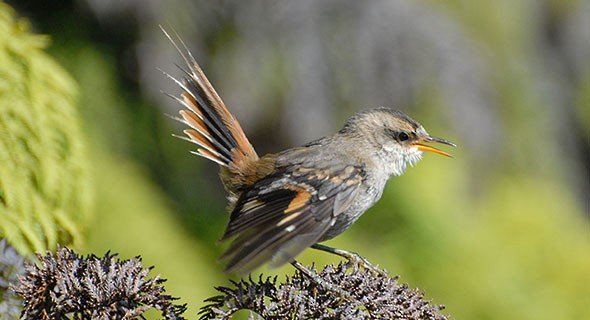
[(44, 179)]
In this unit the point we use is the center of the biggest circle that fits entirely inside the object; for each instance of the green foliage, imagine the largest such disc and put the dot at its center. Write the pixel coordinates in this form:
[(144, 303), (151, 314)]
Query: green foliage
[(44, 181), (132, 214), (498, 236)]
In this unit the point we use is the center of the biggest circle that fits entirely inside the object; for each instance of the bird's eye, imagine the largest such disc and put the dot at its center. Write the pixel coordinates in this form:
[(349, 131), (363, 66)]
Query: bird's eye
[(402, 136)]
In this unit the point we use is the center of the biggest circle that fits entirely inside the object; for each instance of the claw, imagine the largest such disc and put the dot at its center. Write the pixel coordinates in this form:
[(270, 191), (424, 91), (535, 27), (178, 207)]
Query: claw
[(315, 277), (352, 257)]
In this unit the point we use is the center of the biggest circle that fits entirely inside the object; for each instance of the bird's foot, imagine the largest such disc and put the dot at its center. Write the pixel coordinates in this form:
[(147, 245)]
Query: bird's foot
[(359, 261), (315, 277), (353, 258)]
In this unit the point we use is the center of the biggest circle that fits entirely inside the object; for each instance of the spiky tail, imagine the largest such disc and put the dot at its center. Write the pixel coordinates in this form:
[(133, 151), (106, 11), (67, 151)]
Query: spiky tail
[(211, 126)]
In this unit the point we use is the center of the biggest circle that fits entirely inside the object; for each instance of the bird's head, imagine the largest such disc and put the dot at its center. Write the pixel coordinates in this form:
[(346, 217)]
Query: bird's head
[(392, 139)]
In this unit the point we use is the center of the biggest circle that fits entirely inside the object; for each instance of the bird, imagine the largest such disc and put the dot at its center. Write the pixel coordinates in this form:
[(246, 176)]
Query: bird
[(283, 203)]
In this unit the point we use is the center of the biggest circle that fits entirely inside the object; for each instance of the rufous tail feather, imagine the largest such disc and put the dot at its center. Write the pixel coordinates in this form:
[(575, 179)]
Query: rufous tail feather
[(211, 126)]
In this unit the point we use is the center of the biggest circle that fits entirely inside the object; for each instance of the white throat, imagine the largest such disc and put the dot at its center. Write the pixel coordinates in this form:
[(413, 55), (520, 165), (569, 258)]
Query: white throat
[(395, 158)]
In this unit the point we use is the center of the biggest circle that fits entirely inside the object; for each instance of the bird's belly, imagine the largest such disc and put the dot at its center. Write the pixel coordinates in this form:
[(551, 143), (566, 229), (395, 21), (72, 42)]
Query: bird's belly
[(362, 203)]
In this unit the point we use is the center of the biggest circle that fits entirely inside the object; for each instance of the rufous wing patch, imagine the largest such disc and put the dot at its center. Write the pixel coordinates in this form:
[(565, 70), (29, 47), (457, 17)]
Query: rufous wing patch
[(300, 201)]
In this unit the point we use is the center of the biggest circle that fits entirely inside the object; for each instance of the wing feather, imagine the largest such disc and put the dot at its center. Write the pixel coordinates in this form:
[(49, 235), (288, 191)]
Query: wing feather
[(284, 213)]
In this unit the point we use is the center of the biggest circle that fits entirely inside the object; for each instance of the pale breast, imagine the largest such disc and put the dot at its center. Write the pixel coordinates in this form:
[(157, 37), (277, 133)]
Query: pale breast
[(371, 193)]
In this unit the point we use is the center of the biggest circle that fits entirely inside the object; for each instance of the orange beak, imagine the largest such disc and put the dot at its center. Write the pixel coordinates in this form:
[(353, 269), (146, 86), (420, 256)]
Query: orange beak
[(426, 148)]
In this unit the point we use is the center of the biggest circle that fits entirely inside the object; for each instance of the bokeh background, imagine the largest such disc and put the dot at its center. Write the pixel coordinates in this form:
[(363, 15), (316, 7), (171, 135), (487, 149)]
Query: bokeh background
[(501, 231)]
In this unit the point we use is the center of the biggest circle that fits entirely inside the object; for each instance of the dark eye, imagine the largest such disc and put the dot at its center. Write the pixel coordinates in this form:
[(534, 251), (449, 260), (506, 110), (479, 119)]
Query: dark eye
[(402, 136)]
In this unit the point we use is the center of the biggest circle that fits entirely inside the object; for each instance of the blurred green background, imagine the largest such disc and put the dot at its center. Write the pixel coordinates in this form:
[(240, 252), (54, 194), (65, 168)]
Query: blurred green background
[(501, 231)]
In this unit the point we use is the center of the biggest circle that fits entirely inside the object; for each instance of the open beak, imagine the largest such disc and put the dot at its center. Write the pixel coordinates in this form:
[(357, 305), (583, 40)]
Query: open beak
[(427, 148)]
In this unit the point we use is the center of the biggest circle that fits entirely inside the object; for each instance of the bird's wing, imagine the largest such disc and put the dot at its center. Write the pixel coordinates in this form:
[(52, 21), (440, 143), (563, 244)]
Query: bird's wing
[(286, 212)]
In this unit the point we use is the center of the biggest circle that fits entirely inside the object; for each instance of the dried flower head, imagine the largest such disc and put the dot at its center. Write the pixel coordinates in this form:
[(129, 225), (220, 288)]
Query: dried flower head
[(11, 265), (67, 286), (371, 296)]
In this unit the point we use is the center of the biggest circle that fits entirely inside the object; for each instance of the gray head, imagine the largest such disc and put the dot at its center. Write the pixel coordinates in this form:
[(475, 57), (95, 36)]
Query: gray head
[(392, 138)]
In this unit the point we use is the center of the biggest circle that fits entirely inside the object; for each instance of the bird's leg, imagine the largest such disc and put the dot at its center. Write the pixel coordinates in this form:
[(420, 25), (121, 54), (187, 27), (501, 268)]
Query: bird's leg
[(352, 257), (321, 282)]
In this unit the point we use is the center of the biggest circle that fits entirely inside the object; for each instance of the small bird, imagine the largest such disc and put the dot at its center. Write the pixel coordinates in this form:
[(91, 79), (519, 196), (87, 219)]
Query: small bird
[(285, 202)]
